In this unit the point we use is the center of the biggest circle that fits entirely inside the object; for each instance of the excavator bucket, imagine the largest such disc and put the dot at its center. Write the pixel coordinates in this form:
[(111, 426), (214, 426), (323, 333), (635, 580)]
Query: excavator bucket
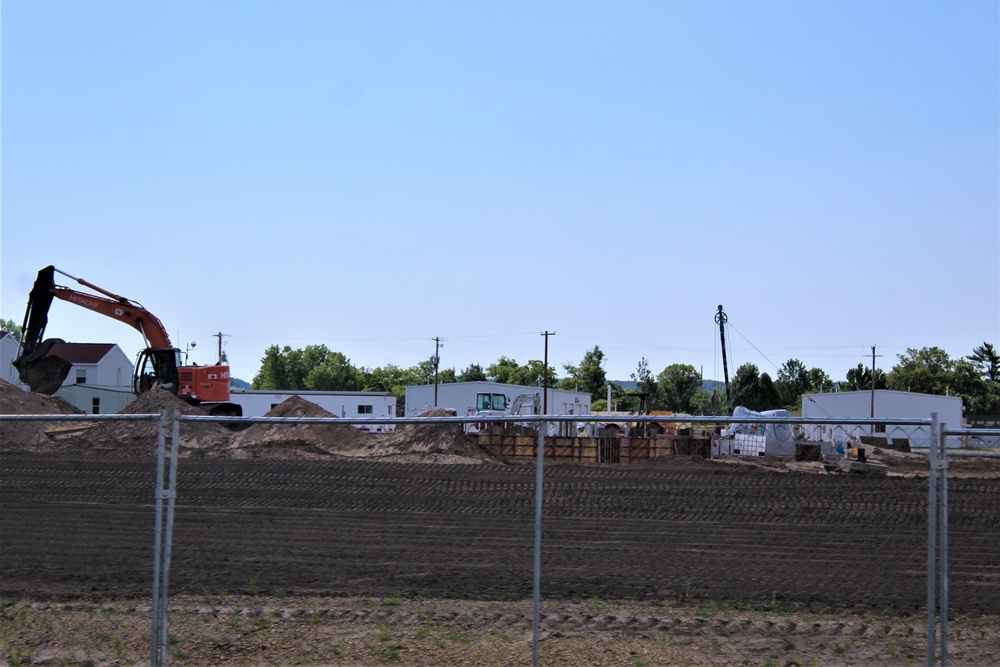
[(43, 373)]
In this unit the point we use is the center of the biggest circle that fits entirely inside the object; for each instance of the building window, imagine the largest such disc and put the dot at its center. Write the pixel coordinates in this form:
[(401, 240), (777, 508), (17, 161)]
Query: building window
[(95, 406), (364, 409), (880, 428), (81, 376)]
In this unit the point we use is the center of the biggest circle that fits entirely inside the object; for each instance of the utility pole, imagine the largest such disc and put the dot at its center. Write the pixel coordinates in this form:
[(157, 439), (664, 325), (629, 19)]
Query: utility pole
[(873, 386), (721, 319), (545, 374), (222, 355), (436, 360)]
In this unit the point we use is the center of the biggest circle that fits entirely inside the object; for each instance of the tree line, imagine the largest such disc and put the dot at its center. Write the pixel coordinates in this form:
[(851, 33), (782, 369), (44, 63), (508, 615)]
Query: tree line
[(677, 388)]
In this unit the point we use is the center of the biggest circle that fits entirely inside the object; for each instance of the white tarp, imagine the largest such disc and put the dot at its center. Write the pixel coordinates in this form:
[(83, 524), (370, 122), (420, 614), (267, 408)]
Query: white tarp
[(758, 439)]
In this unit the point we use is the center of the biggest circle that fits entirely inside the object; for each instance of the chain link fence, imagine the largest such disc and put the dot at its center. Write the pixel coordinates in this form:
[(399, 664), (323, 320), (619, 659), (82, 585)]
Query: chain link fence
[(826, 529)]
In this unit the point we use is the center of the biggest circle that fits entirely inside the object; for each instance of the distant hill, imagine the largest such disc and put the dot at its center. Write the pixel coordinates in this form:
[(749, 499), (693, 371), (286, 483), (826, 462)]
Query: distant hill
[(237, 383)]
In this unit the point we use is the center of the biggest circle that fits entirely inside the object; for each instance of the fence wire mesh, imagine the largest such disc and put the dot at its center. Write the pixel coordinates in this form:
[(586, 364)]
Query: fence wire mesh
[(671, 529)]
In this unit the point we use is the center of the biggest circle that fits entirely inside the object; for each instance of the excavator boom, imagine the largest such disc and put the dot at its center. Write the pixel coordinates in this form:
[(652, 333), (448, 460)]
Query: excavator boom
[(158, 364)]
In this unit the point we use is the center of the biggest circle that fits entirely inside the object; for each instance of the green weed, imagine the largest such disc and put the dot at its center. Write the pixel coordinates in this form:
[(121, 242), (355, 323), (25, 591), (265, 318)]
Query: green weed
[(251, 587)]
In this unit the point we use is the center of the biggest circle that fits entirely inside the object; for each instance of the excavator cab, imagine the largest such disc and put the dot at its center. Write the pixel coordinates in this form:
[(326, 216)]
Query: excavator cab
[(156, 367)]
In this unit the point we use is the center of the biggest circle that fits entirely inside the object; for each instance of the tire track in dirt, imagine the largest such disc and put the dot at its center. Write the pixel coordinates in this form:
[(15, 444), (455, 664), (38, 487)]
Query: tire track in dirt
[(78, 526)]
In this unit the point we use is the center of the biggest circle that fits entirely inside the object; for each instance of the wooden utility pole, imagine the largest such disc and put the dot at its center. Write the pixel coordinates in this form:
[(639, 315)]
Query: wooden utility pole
[(222, 355), (436, 359), (873, 386), (545, 374), (721, 319)]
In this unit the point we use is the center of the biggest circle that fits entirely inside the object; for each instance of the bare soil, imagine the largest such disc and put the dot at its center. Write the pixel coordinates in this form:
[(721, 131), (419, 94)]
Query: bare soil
[(329, 546)]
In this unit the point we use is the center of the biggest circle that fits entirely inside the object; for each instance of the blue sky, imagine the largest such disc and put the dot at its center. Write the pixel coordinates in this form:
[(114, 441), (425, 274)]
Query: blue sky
[(369, 176)]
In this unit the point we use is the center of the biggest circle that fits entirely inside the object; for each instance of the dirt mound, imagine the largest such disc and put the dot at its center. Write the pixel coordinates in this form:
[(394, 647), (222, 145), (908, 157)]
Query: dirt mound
[(140, 437), (298, 441), (409, 443), (444, 443), (30, 435)]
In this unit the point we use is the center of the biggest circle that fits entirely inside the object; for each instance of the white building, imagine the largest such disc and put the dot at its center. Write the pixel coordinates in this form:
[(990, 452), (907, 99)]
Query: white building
[(887, 405), (100, 381), (8, 353), (494, 399), (344, 404)]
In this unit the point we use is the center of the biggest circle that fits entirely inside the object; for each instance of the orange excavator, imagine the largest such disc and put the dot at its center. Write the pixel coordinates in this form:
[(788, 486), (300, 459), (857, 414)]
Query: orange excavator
[(159, 364)]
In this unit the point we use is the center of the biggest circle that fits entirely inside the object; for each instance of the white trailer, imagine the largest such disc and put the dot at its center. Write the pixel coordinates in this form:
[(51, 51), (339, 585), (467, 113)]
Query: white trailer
[(344, 404)]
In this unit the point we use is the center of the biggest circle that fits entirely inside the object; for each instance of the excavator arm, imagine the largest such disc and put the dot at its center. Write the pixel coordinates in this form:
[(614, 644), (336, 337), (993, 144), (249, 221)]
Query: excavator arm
[(44, 373), (159, 364)]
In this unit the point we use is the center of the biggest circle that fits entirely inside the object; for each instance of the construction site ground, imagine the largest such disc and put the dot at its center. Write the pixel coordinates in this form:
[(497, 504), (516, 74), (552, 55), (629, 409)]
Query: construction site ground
[(325, 547)]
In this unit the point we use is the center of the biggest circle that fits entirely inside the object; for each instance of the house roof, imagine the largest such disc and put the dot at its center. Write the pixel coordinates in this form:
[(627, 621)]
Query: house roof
[(81, 353)]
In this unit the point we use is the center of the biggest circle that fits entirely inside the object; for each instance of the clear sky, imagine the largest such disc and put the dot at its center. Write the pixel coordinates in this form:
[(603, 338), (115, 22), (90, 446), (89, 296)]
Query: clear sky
[(371, 175)]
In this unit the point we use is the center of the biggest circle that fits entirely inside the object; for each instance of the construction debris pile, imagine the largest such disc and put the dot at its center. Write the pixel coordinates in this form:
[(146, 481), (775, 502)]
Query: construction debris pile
[(409, 443)]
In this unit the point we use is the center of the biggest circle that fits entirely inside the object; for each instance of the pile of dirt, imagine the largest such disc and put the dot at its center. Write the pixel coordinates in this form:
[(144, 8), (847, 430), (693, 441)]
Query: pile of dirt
[(140, 436), (441, 443), (298, 441), (30, 435)]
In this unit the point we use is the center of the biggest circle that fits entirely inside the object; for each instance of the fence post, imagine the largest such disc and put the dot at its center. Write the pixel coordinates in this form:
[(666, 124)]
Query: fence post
[(166, 489), (943, 542), (937, 544), (543, 427), (154, 653)]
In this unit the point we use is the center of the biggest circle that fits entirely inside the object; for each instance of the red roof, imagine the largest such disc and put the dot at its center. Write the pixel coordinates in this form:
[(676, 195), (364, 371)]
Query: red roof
[(81, 353)]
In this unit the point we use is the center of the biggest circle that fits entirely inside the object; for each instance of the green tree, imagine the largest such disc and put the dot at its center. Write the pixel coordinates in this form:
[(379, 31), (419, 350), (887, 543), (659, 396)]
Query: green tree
[(793, 381), (472, 373), (820, 382), (980, 395), (11, 328), (987, 361), (447, 375), (860, 379), (508, 371), (646, 383), (769, 398), (701, 402), (502, 370), (678, 385), (589, 376), (424, 372), (927, 370), (392, 379), (313, 368), (745, 386), (754, 390), (930, 370), (273, 373)]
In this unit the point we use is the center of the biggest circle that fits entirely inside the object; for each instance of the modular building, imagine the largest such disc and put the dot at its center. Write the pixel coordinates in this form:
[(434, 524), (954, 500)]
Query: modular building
[(344, 404), (880, 404), (494, 399)]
